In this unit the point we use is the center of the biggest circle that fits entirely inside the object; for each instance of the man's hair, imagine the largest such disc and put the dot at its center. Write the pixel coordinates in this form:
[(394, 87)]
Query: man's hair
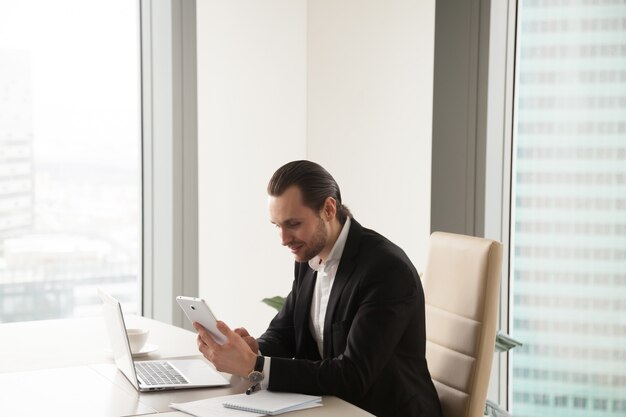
[(315, 183)]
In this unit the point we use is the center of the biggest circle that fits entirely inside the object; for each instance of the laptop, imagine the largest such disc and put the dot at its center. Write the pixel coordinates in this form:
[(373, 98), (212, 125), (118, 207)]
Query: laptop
[(153, 375)]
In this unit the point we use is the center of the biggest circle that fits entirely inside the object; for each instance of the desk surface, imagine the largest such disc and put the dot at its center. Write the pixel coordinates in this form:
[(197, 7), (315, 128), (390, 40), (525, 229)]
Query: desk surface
[(63, 368)]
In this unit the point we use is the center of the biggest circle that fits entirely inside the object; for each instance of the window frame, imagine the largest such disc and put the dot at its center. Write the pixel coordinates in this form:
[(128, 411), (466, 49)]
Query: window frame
[(500, 122), (471, 158), (169, 153)]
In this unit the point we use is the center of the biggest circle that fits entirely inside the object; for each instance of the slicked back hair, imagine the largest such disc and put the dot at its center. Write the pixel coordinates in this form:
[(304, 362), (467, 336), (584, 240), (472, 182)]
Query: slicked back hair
[(315, 183)]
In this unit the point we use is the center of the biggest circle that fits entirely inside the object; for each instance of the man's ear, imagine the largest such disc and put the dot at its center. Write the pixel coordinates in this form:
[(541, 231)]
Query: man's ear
[(329, 210)]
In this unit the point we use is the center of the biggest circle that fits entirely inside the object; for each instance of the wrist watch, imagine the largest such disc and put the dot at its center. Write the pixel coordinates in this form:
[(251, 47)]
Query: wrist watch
[(257, 375)]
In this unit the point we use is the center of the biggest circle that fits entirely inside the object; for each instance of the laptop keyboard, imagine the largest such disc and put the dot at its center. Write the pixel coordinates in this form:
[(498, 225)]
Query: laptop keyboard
[(159, 373)]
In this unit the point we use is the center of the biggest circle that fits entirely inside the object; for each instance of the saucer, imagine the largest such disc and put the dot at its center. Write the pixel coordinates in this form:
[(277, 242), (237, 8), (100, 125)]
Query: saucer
[(145, 350)]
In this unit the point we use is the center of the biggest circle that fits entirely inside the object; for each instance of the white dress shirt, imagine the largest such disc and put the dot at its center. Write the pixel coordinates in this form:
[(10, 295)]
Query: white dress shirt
[(326, 271)]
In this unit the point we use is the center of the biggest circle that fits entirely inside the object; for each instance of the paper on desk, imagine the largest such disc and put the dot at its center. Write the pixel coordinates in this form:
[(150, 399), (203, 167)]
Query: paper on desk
[(214, 407)]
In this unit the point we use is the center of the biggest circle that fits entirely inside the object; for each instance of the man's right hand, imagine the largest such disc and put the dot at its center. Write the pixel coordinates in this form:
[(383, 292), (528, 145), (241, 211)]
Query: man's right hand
[(251, 341)]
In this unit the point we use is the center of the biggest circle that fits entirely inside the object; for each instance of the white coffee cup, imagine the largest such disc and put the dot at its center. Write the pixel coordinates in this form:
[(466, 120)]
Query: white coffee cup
[(137, 338)]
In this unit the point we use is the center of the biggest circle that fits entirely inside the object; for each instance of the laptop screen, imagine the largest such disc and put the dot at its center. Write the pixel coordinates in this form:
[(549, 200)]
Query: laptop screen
[(114, 320)]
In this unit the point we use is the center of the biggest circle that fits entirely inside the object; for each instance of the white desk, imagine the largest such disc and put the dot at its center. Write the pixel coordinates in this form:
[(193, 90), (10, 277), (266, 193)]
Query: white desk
[(62, 368)]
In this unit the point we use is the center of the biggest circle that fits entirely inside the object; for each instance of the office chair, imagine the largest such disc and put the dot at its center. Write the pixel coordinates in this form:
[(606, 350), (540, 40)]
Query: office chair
[(462, 288)]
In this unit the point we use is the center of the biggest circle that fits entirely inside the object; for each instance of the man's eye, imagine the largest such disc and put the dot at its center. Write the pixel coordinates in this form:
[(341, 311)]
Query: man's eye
[(293, 225)]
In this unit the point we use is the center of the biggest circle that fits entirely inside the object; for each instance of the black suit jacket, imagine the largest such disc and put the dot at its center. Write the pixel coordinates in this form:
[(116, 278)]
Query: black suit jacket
[(374, 333)]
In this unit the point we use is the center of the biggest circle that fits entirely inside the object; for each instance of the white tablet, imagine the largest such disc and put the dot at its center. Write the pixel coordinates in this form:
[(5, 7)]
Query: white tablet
[(196, 309)]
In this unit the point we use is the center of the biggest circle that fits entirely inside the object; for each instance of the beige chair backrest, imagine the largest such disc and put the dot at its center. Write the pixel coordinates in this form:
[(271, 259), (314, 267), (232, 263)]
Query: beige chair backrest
[(462, 288)]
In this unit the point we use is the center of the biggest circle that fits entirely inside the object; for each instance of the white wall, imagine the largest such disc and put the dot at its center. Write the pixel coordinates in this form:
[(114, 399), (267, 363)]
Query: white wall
[(345, 83), (370, 111), (251, 119)]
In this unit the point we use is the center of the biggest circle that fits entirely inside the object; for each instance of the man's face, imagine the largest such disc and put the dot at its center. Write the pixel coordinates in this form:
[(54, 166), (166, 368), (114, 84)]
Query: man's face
[(300, 227)]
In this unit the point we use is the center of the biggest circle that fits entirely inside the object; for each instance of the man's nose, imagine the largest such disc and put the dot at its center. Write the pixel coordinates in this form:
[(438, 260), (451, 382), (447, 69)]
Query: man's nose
[(285, 237)]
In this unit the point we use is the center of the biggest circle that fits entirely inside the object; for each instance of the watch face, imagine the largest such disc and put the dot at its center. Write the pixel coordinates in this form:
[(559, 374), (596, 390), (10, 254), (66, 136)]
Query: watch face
[(256, 376)]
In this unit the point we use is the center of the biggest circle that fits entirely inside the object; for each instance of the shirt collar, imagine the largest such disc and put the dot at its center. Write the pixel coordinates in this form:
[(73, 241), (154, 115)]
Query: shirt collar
[(335, 253)]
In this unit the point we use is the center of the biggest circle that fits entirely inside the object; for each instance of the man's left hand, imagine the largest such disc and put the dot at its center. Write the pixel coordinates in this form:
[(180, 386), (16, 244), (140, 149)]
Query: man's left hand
[(234, 356)]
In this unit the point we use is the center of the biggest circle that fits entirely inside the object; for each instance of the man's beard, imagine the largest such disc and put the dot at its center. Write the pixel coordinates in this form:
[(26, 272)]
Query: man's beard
[(318, 242)]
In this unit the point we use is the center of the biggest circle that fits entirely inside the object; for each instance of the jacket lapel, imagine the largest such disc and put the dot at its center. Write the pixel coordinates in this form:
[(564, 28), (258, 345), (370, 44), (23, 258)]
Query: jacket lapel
[(305, 343), (346, 267)]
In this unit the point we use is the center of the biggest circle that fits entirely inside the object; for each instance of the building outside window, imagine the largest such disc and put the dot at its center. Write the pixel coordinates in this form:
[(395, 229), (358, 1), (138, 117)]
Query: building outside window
[(70, 167), (569, 210)]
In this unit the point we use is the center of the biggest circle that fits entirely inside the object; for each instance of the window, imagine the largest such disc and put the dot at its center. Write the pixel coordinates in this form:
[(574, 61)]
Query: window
[(560, 401), (568, 240), (619, 406), (600, 404), (70, 165), (580, 402)]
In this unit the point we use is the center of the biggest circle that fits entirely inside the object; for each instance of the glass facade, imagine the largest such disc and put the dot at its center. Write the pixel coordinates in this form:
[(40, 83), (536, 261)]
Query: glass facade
[(569, 210), (70, 167)]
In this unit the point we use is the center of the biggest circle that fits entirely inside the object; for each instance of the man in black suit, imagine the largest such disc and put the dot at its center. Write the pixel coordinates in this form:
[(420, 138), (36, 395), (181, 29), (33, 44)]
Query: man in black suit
[(353, 324)]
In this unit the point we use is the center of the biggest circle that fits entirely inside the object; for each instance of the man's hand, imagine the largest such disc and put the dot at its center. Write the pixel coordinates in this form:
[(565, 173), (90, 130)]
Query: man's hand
[(251, 341), (235, 356)]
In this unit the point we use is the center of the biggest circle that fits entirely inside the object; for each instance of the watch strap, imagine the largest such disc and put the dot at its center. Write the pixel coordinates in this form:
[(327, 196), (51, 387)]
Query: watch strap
[(260, 363), (256, 375)]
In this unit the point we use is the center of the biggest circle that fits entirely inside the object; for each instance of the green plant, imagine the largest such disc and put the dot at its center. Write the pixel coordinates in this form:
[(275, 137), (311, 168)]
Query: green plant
[(275, 302)]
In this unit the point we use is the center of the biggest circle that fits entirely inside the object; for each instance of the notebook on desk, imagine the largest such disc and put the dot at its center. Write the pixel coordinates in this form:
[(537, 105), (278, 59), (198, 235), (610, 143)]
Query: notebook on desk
[(153, 375), (272, 403)]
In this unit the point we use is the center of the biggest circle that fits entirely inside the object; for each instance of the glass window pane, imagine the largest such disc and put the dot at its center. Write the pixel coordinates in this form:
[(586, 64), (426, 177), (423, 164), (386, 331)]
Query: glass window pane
[(569, 210), (70, 183)]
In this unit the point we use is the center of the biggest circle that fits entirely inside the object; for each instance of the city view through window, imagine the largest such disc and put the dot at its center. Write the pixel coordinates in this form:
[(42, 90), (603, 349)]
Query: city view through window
[(70, 167), (569, 217), (70, 184)]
